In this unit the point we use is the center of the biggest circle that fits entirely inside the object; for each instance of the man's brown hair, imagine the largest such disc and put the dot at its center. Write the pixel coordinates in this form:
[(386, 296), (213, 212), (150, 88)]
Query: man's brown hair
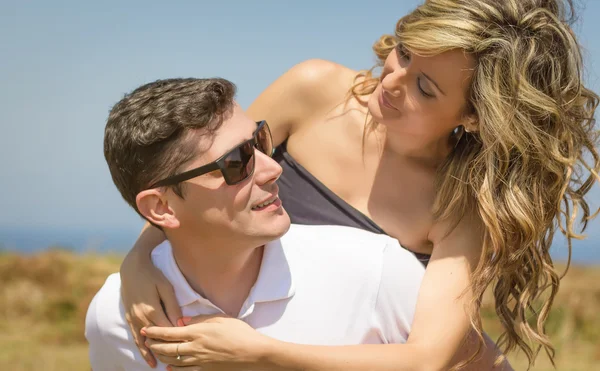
[(146, 135)]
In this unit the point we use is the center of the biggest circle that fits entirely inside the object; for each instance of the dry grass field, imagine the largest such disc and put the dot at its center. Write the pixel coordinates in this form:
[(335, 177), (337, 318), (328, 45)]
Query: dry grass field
[(44, 298)]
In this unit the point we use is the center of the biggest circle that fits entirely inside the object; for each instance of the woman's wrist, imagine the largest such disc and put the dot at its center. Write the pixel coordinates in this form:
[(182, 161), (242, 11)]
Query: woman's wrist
[(268, 355), (140, 253), (262, 354)]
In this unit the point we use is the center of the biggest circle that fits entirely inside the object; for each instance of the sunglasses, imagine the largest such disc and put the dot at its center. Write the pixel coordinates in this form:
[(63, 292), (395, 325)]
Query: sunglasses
[(236, 165)]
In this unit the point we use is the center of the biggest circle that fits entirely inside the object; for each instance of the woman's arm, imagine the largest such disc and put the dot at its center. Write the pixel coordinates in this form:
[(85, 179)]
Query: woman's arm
[(145, 291), (440, 325)]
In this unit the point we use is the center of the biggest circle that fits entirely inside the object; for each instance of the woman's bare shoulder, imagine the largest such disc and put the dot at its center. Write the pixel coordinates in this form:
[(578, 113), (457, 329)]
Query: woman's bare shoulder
[(315, 70), (307, 89), (318, 79)]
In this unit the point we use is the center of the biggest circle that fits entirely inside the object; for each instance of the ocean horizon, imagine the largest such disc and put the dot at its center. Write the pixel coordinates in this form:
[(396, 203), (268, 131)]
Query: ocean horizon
[(81, 240), (119, 241)]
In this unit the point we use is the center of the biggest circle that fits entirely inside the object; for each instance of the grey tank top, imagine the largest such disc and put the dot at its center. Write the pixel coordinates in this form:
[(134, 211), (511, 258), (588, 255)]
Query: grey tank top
[(308, 201)]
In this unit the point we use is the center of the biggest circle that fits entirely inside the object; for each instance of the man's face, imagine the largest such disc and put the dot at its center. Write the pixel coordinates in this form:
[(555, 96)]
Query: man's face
[(247, 211)]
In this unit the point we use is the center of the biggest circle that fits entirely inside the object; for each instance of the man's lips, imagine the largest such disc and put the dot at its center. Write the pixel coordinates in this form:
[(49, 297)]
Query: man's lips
[(266, 202), (272, 197)]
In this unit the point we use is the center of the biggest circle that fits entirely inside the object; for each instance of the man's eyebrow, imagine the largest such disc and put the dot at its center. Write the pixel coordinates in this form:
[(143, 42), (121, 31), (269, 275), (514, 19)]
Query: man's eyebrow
[(433, 82)]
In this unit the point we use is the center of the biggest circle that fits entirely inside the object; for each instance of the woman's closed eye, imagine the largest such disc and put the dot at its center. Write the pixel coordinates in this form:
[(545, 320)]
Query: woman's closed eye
[(424, 88)]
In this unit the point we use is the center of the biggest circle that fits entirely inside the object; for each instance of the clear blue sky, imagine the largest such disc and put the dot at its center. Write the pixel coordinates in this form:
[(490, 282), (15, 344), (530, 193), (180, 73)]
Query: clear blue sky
[(64, 64)]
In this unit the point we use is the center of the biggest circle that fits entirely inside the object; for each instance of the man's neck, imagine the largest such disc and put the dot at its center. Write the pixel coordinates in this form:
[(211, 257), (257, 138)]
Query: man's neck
[(222, 273)]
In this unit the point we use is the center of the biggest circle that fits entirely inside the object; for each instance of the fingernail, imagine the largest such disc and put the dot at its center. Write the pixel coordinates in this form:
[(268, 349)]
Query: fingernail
[(151, 363), (180, 323), (169, 368), (143, 332), (186, 320)]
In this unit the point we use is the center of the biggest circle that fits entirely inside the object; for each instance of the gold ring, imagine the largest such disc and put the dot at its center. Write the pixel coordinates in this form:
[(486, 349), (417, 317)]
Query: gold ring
[(177, 351)]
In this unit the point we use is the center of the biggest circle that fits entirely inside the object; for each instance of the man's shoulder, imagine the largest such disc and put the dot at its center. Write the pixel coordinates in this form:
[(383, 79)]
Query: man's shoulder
[(111, 345), (105, 315), (347, 245), (335, 237)]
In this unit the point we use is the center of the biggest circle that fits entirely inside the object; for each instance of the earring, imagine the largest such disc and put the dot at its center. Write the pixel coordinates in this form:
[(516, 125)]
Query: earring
[(458, 132)]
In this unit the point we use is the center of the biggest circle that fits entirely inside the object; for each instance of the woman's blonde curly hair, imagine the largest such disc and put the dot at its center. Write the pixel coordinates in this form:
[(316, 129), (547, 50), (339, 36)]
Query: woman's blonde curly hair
[(526, 171)]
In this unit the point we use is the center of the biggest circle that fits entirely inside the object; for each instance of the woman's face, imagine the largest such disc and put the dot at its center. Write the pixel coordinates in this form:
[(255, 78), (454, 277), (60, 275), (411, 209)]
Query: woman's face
[(423, 98)]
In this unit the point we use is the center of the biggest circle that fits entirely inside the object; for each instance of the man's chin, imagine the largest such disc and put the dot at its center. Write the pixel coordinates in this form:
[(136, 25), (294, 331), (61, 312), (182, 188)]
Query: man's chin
[(281, 225), (275, 227)]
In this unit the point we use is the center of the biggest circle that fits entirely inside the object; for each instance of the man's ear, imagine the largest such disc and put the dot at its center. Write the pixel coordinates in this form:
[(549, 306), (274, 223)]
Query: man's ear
[(153, 205), (471, 123)]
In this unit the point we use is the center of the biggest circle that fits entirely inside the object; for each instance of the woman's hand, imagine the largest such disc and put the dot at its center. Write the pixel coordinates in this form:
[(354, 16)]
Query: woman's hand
[(145, 291), (211, 342)]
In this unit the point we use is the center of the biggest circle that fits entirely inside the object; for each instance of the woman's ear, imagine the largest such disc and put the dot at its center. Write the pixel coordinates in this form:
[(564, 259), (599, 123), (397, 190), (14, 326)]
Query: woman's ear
[(153, 205), (471, 123)]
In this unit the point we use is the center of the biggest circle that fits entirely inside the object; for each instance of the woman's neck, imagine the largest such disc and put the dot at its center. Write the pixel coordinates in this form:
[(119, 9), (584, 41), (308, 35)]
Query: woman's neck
[(429, 155)]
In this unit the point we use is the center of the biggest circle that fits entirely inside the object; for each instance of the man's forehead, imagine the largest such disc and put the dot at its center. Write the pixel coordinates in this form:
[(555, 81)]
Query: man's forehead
[(235, 129)]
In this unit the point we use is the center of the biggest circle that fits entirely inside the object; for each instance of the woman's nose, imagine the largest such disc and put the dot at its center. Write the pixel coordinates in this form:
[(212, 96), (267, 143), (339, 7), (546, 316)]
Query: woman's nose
[(393, 83)]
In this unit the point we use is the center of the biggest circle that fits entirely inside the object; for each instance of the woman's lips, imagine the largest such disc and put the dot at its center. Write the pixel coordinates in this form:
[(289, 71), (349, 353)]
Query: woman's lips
[(384, 101)]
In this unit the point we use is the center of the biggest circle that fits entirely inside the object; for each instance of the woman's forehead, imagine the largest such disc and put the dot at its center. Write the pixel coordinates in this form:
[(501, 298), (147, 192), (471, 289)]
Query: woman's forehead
[(452, 69)]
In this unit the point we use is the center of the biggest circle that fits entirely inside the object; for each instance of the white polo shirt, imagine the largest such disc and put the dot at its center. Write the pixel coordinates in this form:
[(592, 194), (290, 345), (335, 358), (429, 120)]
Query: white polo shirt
[(321, 285)]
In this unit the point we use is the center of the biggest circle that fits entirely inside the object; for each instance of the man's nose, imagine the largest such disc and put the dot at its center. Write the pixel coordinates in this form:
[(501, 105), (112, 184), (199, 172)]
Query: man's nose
[(266, 169)]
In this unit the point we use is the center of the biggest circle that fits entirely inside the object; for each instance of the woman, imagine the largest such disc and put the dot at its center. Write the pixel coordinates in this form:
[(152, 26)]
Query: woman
[(471, 156)]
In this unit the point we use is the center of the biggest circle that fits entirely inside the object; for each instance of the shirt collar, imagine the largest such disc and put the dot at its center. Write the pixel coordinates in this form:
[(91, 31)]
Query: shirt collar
[(275, 279), (274, 282)]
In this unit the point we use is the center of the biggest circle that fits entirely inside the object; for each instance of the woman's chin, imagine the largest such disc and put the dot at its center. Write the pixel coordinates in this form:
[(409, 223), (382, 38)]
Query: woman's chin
[(375, 109)]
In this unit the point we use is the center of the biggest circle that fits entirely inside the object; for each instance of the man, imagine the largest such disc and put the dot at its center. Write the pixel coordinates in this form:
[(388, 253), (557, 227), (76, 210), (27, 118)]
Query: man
[(185, 156)]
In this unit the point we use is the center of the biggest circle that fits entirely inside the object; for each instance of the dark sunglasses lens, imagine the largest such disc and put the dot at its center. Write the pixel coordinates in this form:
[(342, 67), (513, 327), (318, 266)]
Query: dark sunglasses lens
[(264, 142), (239, 164)]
